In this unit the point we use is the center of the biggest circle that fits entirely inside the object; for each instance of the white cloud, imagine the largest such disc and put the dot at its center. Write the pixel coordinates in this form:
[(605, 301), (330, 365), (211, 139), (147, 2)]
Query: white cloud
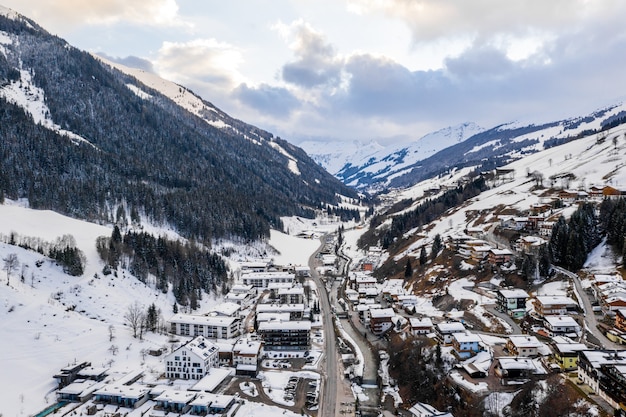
[(59, 14)]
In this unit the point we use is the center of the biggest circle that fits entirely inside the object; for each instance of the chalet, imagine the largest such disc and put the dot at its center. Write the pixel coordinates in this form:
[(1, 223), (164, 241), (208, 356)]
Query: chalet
[(466, 344), (612, 193), (530, 244), (478, 253), (475, 232), (596, 193), (499, 256), (561, 326), (514, 367), (566, 352), (420, 326), (537, 209), (508, 301), (381, 320), (193, 360), (216, 327), (466, 249), (444, 331), (613, 303), (261, 280), (302, 271), (605, 373), (285, 336), (545, 228), (523, 345), (568, 196), (620, 319), (551, 305)]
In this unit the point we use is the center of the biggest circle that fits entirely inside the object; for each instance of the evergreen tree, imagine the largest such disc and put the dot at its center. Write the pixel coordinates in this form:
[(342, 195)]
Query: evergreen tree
[(423, 257), (437, 246), (408, 269)]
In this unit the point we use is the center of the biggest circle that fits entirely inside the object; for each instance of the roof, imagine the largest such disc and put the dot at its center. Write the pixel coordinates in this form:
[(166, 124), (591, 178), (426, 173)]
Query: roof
[(226, 308), (450, 327), (219, 321), (423, 322), (176, 396), (247, 347), (466, 337), (379, 313), (212, 379), (279, 308), (285, 325), (556, 300), (525, 341), (561, 321), (514, 293)]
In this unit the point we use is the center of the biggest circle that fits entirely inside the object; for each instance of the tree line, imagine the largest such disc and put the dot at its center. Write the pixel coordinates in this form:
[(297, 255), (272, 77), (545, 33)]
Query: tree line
[(187, 268)]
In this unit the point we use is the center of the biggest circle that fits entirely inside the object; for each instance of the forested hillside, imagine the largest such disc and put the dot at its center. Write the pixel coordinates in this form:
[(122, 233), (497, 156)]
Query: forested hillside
[(101, 145)]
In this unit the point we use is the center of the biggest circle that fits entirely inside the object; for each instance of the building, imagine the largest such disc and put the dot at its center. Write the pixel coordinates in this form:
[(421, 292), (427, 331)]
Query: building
[(566, 352), (295, 311), (561, 326), (420, 326), (508, 301), (246, 356), (293, 295), (444, 331), (381, 320), (214, 326), (290, 335), (499, 256), (427, 410), (466, 344), (208, 404), (620, 319), (523, 345), (605, 373), (122, 395), (514, 367), (554, 305), (193, 360), (261, 280), (175, 401)]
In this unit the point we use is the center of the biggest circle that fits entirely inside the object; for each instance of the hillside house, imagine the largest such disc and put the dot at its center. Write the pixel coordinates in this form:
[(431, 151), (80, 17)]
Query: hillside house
[(566, 352), (444, 331), (605, 373), (530, 244), (510, 301), (381, 320), (215, 327), (285, 336), (545, 228), (612, 193), (554, 305), (295, 311), (420, 326), (562, 326), (499, 256), (466, 344), (523, 345), (620, 319), (193, 360), (514, 367)]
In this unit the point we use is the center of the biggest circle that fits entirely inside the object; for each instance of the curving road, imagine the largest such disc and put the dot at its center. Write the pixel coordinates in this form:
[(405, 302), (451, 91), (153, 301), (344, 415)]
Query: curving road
[(590, 318)]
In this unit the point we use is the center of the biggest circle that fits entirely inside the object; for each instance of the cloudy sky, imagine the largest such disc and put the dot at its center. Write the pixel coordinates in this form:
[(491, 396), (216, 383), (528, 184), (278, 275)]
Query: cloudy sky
[(363, 69)]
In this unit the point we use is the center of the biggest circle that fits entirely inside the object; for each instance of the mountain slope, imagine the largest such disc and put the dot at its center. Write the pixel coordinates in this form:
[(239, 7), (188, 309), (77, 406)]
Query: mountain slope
[(82, 138)]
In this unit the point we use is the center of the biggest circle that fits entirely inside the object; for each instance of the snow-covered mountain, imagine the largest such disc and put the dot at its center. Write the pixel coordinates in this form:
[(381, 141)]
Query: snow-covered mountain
[(360, 164), (374, 168)]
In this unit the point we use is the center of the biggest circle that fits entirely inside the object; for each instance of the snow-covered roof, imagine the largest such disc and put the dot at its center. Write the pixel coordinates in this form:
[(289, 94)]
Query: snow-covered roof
[(380, 313), (212, 379), (176, 396), (514, 293), (220, 321), (279, 308), (525, 341), (450, 327), (561, 321), (466, 337), (423, 322), (285, 325), (555, 300)]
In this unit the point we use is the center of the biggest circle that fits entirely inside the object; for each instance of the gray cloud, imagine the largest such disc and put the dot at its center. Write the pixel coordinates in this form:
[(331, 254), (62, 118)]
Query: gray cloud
[(316, 62), (276, 101)]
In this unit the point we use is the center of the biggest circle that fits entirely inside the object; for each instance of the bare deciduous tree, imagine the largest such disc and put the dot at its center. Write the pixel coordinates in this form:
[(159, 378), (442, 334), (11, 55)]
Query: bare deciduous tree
[(135, 317), (11, 264)]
